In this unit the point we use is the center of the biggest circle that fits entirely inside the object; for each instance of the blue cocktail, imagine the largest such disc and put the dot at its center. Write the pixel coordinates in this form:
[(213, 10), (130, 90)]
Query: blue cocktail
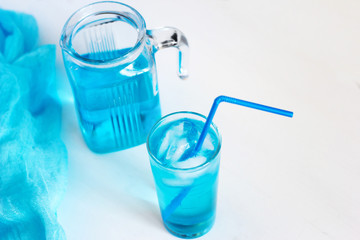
[(186, 184)]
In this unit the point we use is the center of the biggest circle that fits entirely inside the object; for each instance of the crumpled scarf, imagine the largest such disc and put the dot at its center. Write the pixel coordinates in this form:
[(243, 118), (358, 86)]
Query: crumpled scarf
[(33, 158)]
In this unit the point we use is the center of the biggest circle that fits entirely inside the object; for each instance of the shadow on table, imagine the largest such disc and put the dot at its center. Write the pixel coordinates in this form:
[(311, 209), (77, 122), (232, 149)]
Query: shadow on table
[(120, 181)]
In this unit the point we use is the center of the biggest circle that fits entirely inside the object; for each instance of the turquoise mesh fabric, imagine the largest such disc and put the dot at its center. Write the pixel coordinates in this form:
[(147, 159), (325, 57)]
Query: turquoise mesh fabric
[(33, 158)]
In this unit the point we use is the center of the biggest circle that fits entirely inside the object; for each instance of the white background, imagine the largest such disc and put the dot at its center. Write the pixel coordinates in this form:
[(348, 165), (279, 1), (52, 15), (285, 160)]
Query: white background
[(280, 178)]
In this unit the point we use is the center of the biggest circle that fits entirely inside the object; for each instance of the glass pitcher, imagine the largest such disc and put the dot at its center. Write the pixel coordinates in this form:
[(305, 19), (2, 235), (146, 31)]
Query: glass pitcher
[(109, 58)]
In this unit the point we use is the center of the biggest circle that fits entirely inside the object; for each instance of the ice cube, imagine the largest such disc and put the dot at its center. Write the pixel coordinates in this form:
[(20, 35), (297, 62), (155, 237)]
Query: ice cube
[(179, 180), (190, 162), (208, 143), (177, 129), (166, 149), (178, 139), (164, 146), (177, 149)]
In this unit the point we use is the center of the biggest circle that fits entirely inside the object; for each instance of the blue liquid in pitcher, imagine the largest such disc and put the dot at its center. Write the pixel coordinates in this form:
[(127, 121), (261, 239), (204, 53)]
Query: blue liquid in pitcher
[(116, 106)]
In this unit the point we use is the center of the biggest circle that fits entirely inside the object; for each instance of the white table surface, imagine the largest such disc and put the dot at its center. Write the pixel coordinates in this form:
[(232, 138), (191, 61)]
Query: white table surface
[(280, 178)]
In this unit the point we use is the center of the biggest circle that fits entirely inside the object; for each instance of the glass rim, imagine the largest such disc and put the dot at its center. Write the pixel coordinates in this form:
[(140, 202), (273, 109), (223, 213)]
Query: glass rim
[(77, 16), (196, 168)]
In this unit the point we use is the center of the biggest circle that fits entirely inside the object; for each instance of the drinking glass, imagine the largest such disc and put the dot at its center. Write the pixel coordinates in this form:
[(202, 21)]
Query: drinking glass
[(186, 185)]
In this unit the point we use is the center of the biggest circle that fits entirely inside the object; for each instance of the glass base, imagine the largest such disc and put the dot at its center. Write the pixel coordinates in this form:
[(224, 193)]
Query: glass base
[(190, 231)]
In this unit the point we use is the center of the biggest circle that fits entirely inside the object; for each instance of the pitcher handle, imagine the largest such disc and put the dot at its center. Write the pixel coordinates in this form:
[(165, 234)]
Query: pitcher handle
[(172, 37)]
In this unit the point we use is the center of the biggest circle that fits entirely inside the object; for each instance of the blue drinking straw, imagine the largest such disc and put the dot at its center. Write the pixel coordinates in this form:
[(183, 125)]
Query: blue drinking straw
[(175, 203), (220, 99)]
